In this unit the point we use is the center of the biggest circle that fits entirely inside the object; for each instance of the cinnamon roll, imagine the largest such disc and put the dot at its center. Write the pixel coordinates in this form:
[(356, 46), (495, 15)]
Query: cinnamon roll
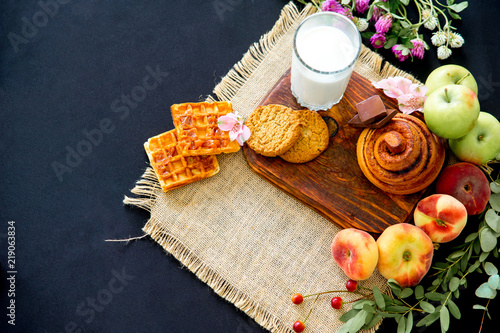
[(403, 157)]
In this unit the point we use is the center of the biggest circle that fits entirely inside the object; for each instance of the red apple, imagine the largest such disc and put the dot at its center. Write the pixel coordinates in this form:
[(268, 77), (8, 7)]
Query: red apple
[(356, 253), (405, 254), (440, 216), (466, 183)]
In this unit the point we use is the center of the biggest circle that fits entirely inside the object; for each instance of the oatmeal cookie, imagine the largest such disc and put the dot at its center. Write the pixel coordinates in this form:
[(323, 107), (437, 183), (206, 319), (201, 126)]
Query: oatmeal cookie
[(313, 139), (275, 129)]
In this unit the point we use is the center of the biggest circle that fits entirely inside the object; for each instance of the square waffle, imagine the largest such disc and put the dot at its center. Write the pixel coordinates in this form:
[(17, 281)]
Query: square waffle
[(197, 129), (174, 169)]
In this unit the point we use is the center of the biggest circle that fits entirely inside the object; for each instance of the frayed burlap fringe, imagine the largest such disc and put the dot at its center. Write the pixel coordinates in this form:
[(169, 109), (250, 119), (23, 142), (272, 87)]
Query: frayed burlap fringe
[(173, 246), (147, 189)]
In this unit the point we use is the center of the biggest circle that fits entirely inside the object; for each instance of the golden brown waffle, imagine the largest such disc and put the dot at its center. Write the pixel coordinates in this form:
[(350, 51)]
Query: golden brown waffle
[(197, 129), (174, 169)]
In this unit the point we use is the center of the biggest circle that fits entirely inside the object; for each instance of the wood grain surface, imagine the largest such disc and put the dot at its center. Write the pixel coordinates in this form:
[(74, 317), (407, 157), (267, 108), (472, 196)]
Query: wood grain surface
[(333, 184)]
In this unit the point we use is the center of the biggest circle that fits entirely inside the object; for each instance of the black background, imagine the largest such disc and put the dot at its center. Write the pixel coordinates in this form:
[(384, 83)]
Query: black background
[(62, 81)]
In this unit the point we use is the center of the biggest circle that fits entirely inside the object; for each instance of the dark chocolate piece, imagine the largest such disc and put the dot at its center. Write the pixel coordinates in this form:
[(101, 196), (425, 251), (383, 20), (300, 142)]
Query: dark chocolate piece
[(389, 115), (371, 110)]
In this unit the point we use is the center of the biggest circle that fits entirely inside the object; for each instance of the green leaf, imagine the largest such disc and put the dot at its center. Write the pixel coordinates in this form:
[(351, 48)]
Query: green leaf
[(454, 283), (427, 307), (434, 296), (493, 220), (390, 42), (474, 266), (419, 292), (463, 263), (477, 246), (407, 292), (490, 269), (456, 254), (459, 6), (374, 321), (389, 315), (479, 307), (444, 318), (495, 187), (393, 284), (361, 303), (369, 308), (357, 322), (401, 325), (483, 256), (454, 310), (379, 299), (495, 201), (484, 291), (396, 308), (454, 15), (488, 239), (349, 314), (370, 13), (405, 2), (345, 2), (368, 318), (493, 281), (471, 237), (409, 322), (429, 319)]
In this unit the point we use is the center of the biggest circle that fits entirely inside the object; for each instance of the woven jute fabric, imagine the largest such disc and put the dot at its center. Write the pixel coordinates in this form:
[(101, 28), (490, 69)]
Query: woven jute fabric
[(252, 243)]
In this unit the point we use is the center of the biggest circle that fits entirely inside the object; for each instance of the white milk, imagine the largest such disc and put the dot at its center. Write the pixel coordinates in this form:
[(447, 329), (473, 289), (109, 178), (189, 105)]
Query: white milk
[(324, 49)]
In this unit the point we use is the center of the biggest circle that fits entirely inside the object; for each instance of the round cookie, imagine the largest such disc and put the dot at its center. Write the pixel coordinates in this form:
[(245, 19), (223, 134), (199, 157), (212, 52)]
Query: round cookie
[(274, 128), (313, 139)]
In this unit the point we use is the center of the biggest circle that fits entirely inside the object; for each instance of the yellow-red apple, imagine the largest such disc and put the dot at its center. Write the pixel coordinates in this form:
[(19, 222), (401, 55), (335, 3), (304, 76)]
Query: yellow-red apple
[(356, 252), (466, 183), (440, 216), (405, 254)]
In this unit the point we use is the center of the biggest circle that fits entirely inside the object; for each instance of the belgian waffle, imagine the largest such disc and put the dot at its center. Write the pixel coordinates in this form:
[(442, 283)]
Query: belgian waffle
[(197, 129), (172, 168)]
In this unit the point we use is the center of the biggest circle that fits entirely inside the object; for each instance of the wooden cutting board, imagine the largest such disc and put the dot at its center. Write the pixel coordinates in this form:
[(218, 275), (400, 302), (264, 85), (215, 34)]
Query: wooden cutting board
[(333, 184)]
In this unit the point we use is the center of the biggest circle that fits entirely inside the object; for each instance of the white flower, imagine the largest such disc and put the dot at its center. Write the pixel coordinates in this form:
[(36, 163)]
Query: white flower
[(360, 23), (438, 38), (443, 52), (430, 21), (455, 40)]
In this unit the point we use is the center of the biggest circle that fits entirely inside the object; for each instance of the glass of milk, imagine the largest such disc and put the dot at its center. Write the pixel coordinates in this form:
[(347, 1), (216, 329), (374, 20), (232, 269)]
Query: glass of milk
[(326, 46)]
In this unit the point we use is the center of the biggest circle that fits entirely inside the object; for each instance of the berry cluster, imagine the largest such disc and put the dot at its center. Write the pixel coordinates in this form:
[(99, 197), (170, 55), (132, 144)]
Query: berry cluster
[(336, 302)]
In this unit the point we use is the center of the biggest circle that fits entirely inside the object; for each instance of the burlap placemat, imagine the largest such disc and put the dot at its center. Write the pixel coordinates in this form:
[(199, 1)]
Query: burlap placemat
[(249, 241)]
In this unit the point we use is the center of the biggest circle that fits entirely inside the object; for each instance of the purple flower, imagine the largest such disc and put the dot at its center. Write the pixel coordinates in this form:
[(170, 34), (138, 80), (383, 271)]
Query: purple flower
[(331, 6), (378, 40), (377, 13), (383, 24), (418, 49), (362, 5), (398, 53)]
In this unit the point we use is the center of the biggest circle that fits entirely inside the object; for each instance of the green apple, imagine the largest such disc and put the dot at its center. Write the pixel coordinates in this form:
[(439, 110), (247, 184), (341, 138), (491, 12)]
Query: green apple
[(450, 74), (481, 144), (451, 111)]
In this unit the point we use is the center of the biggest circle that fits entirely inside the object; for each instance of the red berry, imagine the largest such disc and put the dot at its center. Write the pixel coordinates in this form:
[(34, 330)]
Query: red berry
[(336, 303), (297, 298), (351, 285), (298, 326)]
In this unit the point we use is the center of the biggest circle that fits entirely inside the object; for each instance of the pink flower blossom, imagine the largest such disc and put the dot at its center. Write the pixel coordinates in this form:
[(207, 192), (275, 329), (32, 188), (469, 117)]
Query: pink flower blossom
[(234, 123), (362, 5), (410, 96), (377, 13), (383, 24), (331, 6), (418, 49), (398, 53), (378, 40)]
